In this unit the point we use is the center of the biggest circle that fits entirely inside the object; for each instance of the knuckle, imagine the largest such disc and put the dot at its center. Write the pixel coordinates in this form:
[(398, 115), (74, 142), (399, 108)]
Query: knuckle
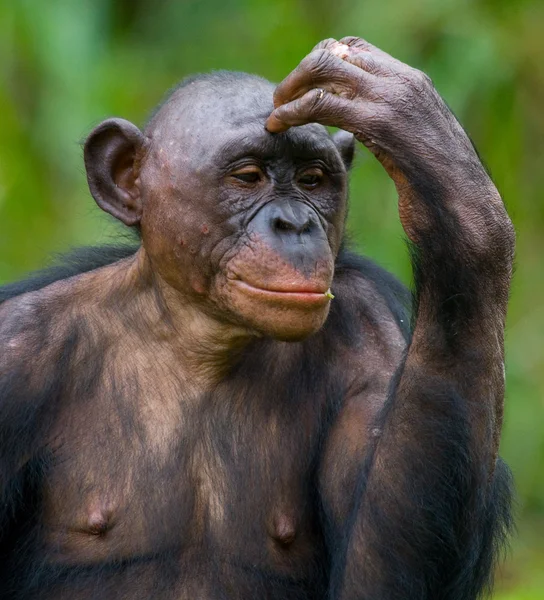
[(320, 62), (361, 89), (420, 78), (352, 40), (366, 62), (383, 116), (380, 121), (313, 100), (317, 104), (324, 44)]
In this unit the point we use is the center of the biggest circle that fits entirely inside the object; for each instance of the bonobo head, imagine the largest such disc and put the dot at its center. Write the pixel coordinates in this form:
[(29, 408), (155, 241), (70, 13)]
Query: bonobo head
[(243, 223)]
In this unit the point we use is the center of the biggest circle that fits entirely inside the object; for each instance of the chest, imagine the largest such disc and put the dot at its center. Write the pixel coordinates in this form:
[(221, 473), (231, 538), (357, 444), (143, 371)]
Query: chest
[(145, 475)]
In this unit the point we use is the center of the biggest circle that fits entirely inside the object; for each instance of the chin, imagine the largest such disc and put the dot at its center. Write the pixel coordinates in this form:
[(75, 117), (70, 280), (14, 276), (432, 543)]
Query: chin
[(289, 327)]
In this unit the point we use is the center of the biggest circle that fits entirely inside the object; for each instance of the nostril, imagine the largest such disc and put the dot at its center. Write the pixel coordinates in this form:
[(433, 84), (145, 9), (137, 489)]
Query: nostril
[(280, 224), (307, 227)]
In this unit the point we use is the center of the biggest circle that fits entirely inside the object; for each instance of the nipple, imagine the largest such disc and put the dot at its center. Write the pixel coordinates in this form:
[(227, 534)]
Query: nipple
[(284, 529), (99, 522)]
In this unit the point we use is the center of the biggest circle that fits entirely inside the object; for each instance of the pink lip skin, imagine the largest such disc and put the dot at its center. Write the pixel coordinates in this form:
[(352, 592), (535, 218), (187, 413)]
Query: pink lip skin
[(289, 296)]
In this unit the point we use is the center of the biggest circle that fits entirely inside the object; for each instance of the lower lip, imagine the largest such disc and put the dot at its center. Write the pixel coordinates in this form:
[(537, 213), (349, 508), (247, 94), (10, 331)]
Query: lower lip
[(306, 298)]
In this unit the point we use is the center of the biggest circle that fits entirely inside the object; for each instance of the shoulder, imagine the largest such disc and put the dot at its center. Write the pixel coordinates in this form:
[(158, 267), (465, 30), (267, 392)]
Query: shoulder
[(367, 332), (55, 309), (29, 368), (364, 290), (77, 262), (32, 329), (23, 319), (36, 346), (49, 298), (48, 346)]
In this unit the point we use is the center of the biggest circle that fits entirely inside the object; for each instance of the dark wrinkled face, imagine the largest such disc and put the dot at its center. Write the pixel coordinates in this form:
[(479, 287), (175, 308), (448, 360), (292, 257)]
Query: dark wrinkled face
[(247, 222)]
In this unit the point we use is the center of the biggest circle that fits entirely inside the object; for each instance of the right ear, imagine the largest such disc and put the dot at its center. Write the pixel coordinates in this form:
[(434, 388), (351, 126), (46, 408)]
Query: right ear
[(345, 142), (110, 154)]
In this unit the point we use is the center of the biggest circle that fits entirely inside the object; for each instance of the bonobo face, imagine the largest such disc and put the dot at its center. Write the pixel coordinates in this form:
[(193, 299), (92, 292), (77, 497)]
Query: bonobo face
[(244, 222)]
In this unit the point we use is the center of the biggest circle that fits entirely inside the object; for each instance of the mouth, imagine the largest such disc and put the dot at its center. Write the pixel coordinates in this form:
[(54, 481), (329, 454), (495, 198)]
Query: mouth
[(306, 295)]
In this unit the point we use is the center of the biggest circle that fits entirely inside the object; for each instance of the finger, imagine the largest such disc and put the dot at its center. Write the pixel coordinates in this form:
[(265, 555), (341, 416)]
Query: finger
[(321, 69), (373, 53), (309, 74), (374, 64), (316, 106), (360, 44), (367, 62)]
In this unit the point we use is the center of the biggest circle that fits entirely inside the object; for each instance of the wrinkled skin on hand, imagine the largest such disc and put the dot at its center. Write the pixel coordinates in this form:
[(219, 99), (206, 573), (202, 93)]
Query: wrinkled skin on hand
[(392, 108)]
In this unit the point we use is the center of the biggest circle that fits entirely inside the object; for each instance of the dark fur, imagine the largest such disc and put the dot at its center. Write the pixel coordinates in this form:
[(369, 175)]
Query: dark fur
[(81, 260)]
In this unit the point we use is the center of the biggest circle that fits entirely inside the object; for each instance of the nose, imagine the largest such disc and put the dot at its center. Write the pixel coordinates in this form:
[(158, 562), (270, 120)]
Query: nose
[(288, 219), (294, 231)]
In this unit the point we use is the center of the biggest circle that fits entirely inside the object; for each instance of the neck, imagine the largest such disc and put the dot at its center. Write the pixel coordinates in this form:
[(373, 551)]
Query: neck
[(204, 346)]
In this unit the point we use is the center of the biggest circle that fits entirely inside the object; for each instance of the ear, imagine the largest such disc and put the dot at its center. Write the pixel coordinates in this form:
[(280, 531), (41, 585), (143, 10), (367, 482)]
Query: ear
[(345, 142), (110, 160)]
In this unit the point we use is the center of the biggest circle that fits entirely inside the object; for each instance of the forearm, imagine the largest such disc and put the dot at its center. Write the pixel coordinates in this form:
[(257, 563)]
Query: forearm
[(425, 529)]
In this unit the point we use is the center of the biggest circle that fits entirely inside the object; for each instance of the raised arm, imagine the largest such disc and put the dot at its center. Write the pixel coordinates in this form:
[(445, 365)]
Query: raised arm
[(432, 497)]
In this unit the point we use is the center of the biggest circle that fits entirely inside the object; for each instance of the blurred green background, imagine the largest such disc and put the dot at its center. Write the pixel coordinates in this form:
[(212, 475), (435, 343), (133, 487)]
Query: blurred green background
[(65, 65)]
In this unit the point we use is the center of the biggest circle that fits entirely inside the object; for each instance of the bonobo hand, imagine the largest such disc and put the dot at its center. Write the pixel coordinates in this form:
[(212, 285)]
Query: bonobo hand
[(392, 108)]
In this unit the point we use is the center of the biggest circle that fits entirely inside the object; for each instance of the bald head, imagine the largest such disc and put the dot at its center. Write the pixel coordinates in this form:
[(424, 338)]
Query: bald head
[(209, 118), (230, 97)]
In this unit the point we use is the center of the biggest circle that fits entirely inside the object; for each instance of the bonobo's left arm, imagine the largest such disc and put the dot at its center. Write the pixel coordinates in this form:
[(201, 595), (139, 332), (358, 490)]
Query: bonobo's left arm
[(431, 499)]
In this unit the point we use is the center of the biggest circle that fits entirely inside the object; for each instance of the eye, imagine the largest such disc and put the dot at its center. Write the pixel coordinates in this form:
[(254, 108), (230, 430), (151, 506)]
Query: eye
[(311, 178), (249, 175)]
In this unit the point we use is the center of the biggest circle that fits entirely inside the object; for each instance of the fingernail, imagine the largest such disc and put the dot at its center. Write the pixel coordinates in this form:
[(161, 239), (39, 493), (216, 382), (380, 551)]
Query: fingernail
[(273, 125)]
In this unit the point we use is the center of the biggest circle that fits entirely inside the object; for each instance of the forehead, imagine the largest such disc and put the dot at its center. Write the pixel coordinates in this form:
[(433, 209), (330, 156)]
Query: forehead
[(211, 122)]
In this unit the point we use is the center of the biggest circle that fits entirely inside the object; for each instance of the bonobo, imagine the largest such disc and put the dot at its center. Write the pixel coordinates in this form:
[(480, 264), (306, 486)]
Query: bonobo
[(238, 407)]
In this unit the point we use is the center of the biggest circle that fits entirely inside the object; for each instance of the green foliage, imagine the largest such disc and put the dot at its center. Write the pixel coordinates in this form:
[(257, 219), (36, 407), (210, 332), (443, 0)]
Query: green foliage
[(66, 65)]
